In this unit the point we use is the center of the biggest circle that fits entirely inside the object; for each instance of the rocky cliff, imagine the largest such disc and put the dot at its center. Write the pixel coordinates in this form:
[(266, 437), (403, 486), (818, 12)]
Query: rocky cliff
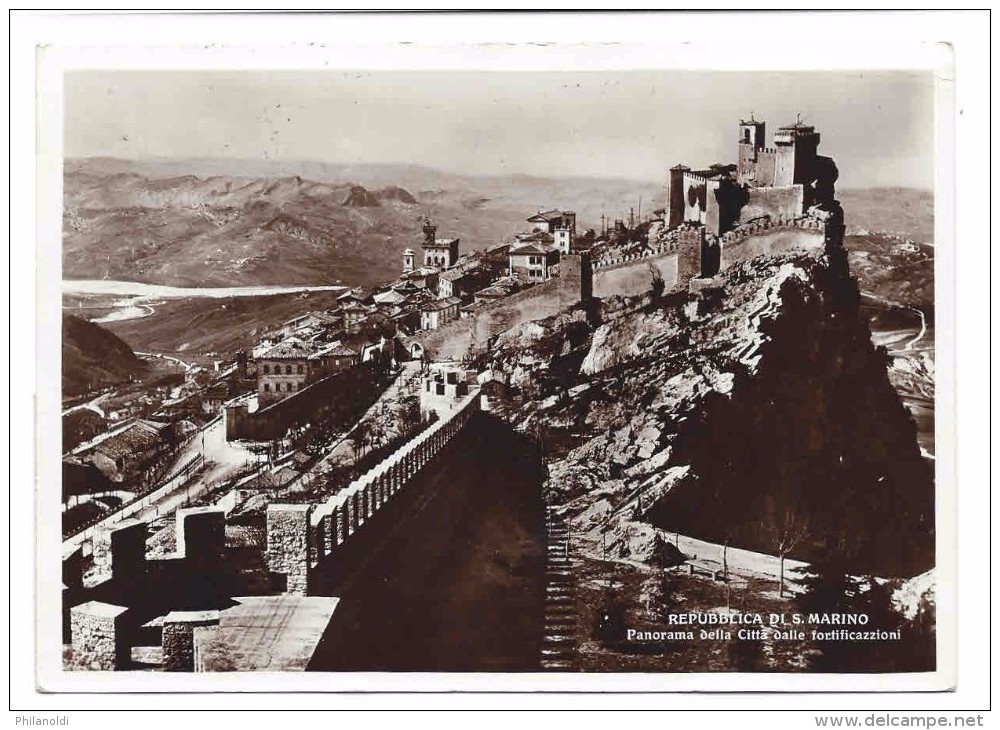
[(757, 401)]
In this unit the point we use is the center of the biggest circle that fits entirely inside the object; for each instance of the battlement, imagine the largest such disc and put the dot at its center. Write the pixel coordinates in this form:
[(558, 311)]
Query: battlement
[(106, 614), (301, 538)]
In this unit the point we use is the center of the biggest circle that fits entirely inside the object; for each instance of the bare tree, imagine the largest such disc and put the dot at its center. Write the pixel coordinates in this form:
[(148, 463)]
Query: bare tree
[(359, 437), (785, 529)]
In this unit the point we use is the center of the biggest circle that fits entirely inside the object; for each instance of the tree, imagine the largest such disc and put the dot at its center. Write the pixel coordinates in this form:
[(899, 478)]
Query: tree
[(785, 529), (829, 589), (663, 554), (666, 595), (359, 437)]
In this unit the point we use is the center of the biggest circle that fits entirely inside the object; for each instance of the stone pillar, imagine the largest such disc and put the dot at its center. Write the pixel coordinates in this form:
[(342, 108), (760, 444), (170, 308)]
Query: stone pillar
[(365, 502), (288, 544), (178, 638), (201, 536), (328, 527), (355, 509), (383, 487), (99, 635), (343, 523), (128, 550)]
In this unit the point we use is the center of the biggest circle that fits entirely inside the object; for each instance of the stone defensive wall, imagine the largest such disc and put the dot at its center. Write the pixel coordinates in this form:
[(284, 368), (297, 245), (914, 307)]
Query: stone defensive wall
[(305, 540), (104, 617), (572, 284), (767, 237), (630, 270), (688, 252)]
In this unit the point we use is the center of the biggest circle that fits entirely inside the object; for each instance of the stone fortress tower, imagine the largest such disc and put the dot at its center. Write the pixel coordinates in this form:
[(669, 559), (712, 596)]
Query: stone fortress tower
[(779, 182)]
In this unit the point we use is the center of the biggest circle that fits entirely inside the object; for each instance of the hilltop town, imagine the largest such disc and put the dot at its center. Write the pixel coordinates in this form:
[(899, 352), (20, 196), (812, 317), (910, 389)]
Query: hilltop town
[(603, 359)]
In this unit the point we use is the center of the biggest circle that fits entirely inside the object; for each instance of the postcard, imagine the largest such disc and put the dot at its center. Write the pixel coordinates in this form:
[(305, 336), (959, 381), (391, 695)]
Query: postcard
[(387, 374)]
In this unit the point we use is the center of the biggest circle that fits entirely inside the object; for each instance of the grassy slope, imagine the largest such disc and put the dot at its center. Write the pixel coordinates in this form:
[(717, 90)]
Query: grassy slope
[(93, 357)]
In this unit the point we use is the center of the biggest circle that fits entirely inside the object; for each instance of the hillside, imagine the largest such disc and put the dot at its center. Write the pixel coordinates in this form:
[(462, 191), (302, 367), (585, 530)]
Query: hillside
[(715, 415), (217, 223), (93, 357), (192, 326)]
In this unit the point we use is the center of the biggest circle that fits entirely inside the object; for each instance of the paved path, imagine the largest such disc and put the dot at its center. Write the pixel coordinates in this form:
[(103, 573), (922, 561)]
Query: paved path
[(222, 460), (265, 633)]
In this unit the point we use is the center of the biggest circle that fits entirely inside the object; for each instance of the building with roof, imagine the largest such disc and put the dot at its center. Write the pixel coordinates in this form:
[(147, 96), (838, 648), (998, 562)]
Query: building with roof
[(552, 220), (441, 253), (284, 369), (439, 312), (355, 315), (461, 282), (425, 278), (390, 297), (291, 365), (559, 224), (532, 261), (135, 451), (357, 295)]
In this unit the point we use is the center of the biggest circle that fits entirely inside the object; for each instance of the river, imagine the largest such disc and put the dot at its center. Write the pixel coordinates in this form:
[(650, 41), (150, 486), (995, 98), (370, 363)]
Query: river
[(141, 290), (136, 297)]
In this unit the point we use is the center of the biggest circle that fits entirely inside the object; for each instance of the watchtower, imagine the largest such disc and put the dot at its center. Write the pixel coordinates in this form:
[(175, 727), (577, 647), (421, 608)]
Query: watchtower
[(752, 133), (676, 197), (796, 146), (751, 143)]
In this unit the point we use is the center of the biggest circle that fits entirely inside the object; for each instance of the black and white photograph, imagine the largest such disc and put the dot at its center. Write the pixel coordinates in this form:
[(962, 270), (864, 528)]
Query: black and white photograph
[(529, 374)]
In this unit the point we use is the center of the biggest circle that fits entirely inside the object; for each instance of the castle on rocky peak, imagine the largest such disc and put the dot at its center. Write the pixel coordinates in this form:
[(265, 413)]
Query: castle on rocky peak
[(782, 182)]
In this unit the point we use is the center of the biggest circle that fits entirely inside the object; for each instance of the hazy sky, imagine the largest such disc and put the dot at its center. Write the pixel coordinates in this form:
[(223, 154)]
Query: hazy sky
[(879, 126)]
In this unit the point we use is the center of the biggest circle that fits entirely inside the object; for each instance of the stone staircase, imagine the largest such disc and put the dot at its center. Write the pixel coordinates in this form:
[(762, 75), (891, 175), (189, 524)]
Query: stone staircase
[(559, 643)]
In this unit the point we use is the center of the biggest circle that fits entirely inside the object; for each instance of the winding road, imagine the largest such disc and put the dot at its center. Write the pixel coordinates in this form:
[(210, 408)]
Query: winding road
[(923, 319)]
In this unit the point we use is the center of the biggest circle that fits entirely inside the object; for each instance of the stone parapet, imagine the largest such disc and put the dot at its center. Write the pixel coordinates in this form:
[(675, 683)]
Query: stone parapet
[(179, 640), (288, 544), (99, 636), (301, 536)]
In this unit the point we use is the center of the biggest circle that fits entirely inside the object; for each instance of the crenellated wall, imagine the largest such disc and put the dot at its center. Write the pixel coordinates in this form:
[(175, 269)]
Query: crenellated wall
[(573, 284), (301, 538), (631, 269), (106, 613)]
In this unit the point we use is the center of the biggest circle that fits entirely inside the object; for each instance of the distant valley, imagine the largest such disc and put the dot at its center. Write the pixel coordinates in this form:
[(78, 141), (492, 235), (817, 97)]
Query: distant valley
[(217, 223)]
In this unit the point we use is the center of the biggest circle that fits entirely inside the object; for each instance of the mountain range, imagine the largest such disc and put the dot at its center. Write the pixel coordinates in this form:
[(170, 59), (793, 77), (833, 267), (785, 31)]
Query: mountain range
[(218, 222)]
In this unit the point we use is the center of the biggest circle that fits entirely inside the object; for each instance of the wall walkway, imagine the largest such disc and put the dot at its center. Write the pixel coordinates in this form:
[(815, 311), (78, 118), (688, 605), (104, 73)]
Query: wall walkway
[(302, 537)]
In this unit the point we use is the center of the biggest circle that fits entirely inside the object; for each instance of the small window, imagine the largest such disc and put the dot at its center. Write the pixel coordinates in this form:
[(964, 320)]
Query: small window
[(267, 387), (288, 369), (267, 370), (291, 387), (302, 369)]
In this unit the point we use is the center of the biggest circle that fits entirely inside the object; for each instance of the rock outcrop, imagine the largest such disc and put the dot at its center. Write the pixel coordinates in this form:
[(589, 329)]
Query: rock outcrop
[(719, 412), (359, 197)]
